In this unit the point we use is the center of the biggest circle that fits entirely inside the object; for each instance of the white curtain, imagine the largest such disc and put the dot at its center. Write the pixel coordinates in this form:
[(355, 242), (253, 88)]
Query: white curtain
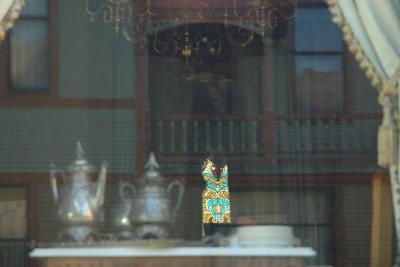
[(9, 12), (371, 29)]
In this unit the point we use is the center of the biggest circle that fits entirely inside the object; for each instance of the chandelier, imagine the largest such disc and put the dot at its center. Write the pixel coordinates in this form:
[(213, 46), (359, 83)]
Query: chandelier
[(192, 43), (265, 14), (241, 19), (127, 16)]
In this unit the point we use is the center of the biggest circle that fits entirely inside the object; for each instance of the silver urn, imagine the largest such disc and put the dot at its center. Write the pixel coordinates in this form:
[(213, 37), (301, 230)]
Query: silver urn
[(121, 213), (153, 211), (80, 202)]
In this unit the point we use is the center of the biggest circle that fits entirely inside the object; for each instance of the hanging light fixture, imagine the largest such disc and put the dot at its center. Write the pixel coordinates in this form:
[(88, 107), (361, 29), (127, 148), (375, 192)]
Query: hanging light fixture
[(241, 18), (264, 14), (191, 43), (127, 16)]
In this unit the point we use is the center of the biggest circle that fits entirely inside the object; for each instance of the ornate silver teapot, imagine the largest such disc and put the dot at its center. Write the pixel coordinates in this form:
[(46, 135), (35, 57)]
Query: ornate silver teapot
[(153, 212), (80, 202)]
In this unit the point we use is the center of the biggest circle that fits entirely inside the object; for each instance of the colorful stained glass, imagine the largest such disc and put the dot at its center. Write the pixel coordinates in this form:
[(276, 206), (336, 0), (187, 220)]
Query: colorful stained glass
[(216, 204)]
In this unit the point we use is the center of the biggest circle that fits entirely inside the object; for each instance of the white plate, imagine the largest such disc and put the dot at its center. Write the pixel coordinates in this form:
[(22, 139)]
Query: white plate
[(264, 232), (266, 243)]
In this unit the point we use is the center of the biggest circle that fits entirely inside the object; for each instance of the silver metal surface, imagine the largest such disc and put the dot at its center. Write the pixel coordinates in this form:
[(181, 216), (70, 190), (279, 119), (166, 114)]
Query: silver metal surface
[(121, 214), (80, 203), (153, 212)]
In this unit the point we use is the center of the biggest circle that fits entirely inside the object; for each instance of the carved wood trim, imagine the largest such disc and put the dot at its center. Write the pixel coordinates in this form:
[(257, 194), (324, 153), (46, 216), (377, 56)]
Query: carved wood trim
[(175, 262)]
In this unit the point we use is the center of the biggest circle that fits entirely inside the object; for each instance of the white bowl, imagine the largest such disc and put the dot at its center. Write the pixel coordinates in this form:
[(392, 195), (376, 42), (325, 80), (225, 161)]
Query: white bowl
[(265, 235), (266, 243)]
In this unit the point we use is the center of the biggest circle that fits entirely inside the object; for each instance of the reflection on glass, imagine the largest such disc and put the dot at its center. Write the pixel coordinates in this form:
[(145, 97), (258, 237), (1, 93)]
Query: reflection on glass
[(319, 84), (314, 31), (35, 8), (29, 56), (12, 213), (212, 109), (310, 173), (228, 83)]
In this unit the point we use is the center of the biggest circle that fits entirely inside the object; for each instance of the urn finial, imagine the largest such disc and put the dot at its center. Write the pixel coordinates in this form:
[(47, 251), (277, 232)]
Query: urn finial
[(152, 164), (80, 153), (80, 162)]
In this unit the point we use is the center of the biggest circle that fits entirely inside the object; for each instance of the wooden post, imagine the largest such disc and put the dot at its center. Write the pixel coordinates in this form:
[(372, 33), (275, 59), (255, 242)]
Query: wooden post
[(142, 107), (268, 123), (382, 221)]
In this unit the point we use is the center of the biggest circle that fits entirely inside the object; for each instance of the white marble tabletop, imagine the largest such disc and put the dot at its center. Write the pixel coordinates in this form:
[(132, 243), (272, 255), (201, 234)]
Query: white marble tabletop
[(114, 252)]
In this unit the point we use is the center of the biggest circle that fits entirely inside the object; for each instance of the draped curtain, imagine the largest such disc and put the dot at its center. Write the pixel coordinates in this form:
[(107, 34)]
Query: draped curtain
[(9, 12), (371, 30)]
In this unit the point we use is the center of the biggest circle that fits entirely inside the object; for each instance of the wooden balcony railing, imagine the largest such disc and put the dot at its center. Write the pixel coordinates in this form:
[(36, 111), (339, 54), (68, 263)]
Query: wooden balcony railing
[(200, 135), (342, 134), (257, 137)]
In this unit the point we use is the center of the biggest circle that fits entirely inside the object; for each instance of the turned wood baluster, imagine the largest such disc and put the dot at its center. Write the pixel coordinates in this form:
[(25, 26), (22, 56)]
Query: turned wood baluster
[(219, 127), (172, 137), (160, 135), (243, 136), (196, 136), (231, 145), (208, 145), (255, 136), (184, 136)]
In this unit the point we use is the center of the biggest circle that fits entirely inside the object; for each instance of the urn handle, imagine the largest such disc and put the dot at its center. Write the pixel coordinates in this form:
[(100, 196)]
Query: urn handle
[(54, 173), (181, 188), (127, 191), (101, 186)]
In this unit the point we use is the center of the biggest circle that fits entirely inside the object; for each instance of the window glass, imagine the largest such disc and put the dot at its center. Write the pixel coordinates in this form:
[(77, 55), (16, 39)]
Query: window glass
[(318, 69), (229, 83), (293, 118), (13, 226), (13, 208), (319, 79), (315, 31), (29, 56), (35, 8)]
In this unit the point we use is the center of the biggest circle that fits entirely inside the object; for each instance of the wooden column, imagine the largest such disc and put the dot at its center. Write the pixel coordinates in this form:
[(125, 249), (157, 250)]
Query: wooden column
[(142, 107), (269, 122), (382, 221)]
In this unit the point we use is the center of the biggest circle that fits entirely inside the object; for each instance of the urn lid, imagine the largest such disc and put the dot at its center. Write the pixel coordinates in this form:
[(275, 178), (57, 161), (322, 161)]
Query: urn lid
[(80, 163), (152, 173)]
